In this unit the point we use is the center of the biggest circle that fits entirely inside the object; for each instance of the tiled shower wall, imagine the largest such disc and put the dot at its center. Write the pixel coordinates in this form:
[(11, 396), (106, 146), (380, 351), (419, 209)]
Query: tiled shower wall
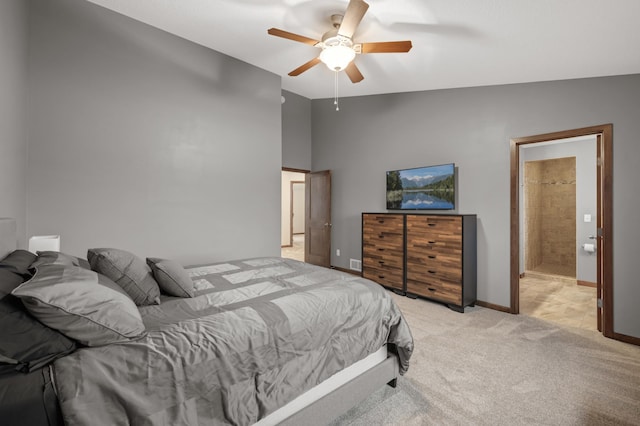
[(550, 203)]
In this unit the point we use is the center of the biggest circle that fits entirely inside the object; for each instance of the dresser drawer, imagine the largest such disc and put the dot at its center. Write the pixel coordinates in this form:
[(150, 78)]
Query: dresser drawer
[(388, 277), (384, 239), (384, 220), (440, 259), (434, 232), (374, 258), (382, 250), (425, 250), (442, 291), (386, 225), (439, 224), (434, 273)]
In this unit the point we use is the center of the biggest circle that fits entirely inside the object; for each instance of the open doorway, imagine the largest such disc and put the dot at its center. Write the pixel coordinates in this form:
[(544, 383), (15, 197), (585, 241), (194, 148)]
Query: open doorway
[(557, 210), (597, 244), (308, 237), (293, 214)]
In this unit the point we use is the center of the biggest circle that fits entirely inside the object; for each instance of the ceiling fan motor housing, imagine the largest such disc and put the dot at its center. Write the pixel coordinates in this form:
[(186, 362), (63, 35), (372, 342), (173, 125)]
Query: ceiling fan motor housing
[(337, 50), (336, 20)]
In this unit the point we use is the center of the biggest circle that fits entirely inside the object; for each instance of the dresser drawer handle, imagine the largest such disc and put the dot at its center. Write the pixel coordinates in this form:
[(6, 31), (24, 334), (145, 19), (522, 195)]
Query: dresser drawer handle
[(380, 276), (381, 262), (431, 289), (432, 242), (381, 236), (380, 249), (380, 220), (431, 256), (431, 224), (431, 272)]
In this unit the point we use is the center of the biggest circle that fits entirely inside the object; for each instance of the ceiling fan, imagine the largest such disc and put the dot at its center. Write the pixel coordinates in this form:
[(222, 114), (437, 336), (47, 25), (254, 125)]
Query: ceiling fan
[(338, 48)]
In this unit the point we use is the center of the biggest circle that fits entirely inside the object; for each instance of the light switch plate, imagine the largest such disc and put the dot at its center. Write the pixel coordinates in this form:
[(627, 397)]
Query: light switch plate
[(587, 218)]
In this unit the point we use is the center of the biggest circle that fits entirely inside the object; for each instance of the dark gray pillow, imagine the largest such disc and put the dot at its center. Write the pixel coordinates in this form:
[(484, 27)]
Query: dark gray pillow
[(171, 277), (81, 304), (26, 343), (18, 261), (128, 271), (58, 258)]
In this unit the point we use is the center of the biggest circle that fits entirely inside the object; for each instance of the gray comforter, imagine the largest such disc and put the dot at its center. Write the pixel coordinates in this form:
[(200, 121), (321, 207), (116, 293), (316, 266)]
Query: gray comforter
[(258, 333)]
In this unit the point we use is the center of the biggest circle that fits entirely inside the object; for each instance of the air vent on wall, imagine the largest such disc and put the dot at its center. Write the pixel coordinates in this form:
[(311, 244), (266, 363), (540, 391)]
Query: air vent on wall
[(355, 264)]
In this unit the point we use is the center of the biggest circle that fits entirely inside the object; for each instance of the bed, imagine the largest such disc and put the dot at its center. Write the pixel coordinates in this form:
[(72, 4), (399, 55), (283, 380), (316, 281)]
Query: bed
[(259, 341)]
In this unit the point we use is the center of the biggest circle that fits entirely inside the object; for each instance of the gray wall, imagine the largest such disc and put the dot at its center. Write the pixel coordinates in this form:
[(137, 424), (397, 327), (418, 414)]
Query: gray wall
[(13, 90), (472, 127), (586, 194), (296, 131), (144, 141)]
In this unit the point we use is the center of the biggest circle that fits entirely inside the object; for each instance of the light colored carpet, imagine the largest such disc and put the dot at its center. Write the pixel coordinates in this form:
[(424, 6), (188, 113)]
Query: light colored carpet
[(486, 367)]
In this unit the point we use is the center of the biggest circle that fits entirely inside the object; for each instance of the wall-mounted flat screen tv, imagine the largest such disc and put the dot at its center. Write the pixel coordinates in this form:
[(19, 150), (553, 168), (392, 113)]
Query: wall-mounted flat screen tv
[(422, 188)]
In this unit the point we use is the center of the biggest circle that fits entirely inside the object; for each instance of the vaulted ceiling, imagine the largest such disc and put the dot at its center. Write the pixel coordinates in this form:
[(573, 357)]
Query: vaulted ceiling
[(456, 43)]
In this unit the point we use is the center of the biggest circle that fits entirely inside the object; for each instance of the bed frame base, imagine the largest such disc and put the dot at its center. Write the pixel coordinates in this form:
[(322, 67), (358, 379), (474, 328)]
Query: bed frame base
[(347, 396)]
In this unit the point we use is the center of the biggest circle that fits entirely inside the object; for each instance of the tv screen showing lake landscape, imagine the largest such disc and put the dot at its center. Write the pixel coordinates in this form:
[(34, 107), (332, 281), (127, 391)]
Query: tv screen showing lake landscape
[(422, 188)]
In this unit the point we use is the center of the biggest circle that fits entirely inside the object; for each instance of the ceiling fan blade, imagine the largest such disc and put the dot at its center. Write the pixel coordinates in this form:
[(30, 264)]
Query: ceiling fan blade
[(352, 17), (302, 68), (354, 73), (386, 47), (291, 36)]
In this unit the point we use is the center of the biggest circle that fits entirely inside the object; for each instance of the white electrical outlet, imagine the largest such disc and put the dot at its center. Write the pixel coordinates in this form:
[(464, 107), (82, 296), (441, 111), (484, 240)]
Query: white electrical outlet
[(337, 252)]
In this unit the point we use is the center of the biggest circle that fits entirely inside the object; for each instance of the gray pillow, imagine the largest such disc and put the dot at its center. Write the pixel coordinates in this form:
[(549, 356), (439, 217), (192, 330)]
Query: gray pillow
[(128, 271), (81, 304), (171, 277), (18, 262), (25, 342), (58, 258)]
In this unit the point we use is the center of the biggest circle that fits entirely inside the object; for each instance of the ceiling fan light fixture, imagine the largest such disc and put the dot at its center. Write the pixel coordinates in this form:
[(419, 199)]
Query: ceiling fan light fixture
[(337, 58), (337, 53)]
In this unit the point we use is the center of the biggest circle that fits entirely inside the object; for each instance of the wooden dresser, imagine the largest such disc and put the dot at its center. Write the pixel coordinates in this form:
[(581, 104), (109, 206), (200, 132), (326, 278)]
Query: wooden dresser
[(436, 254)]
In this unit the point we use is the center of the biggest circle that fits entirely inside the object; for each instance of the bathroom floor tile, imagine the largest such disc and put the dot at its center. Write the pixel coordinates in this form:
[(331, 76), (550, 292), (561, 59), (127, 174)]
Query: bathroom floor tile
[(558, 299)]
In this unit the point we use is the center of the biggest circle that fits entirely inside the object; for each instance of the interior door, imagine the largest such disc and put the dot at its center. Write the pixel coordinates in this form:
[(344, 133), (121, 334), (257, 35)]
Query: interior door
[(317, 242), (599, 225)]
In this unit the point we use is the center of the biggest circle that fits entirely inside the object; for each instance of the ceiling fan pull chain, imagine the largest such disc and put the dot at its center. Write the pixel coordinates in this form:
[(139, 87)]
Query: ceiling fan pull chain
[(335, 100)]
